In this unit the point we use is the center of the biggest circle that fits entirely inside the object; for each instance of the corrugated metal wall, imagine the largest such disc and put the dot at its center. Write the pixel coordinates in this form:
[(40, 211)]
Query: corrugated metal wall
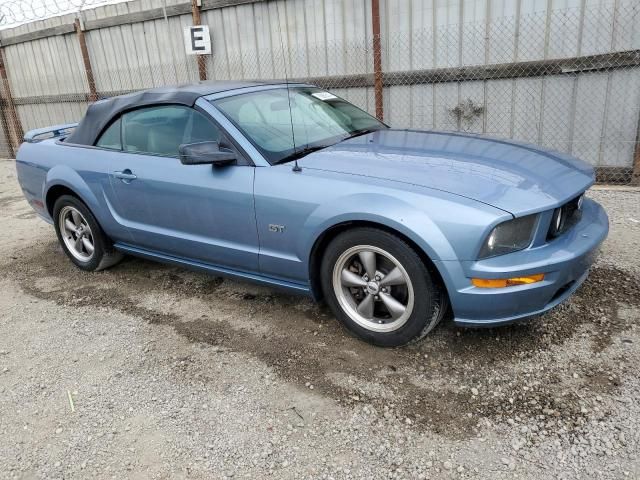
[(592, 113), (48, 67)]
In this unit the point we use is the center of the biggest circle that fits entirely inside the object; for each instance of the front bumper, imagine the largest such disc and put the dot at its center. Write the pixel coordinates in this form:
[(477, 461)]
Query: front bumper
[(565, 262)]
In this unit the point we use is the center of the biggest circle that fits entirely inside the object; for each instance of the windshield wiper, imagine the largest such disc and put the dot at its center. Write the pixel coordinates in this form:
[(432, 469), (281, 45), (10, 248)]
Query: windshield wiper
[(310, 149), (362, 131), (303, 152)]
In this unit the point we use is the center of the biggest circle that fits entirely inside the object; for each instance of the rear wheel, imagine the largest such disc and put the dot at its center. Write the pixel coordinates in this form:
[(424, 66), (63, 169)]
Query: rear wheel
[(380, 288), (81, 237)]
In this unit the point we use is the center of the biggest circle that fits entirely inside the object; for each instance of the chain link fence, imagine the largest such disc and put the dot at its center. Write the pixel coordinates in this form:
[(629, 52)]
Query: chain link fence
[(567, 79)]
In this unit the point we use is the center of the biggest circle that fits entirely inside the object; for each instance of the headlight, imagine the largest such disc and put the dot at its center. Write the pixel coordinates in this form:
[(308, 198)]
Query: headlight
[(565, 217), (510, 236)]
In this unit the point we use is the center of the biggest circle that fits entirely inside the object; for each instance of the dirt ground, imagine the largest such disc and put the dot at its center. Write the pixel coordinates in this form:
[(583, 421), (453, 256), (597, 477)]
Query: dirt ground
[(151, 371)]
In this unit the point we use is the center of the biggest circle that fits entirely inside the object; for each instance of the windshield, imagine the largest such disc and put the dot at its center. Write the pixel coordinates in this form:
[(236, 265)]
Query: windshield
[(313, 117)]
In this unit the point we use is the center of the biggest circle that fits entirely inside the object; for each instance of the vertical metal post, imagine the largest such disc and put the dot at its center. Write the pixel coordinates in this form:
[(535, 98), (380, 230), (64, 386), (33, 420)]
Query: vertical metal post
[(202, 66), (93, 93), (377, 59), (10, 151), (12, 124), (635, 173)]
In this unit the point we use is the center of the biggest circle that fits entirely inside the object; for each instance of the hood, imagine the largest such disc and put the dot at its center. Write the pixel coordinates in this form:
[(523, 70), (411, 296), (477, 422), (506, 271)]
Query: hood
[(514, 177)]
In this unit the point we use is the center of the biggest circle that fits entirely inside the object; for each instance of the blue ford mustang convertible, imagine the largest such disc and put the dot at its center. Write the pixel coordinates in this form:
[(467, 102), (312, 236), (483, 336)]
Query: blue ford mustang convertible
[(292, 186)]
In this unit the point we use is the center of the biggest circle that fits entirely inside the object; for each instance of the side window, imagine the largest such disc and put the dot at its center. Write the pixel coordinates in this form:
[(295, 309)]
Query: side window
[(161, 130), (110, 138)]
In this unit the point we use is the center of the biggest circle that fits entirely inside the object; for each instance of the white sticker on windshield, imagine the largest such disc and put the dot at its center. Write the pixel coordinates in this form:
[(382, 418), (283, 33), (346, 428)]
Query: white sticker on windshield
[(324, 96)]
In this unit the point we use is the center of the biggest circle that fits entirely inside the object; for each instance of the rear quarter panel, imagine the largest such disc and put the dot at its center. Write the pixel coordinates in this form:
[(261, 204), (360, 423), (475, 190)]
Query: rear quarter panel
[(85, 171), (32, 175)]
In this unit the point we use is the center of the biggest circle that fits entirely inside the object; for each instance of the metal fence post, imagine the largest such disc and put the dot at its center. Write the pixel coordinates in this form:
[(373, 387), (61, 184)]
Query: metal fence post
[(635, 173), (202, 66), (377, 59), (93, 93), (12, 124)]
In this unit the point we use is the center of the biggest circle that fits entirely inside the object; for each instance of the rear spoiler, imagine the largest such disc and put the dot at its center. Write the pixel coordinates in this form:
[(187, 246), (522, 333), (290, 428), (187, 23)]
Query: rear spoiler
[(53, 131)]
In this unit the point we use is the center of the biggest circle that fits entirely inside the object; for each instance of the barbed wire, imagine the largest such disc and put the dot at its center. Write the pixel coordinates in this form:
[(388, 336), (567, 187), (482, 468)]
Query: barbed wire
[(17, 12)]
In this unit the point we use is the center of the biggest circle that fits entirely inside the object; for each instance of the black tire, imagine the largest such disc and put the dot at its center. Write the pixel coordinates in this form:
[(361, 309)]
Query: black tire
[(430, 301), (104, 255)]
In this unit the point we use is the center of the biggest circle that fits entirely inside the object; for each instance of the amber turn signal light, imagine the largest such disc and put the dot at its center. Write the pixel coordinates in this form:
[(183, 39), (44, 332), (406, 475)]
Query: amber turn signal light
[(506, 282)]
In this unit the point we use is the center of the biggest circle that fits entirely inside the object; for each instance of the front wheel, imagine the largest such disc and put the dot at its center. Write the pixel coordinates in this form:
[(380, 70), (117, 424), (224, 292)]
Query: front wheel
[(379, 287)]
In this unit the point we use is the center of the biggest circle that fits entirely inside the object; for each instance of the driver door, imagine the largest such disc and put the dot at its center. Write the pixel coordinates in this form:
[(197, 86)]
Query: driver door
[(194, 212)]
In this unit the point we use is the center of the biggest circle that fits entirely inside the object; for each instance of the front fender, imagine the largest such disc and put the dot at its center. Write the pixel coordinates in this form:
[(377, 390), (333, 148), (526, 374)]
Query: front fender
[(392, 212), (446, 227)]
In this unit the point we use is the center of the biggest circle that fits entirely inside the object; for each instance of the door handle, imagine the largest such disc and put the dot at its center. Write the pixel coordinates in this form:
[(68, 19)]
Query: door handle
[(126, 176)]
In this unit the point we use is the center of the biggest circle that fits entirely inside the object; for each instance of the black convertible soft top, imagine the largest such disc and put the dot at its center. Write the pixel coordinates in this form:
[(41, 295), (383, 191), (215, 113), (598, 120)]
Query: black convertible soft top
[(100, 113)]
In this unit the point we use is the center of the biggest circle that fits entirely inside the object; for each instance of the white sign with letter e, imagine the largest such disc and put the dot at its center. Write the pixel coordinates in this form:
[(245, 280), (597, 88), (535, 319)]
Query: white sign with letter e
[(197, 40)]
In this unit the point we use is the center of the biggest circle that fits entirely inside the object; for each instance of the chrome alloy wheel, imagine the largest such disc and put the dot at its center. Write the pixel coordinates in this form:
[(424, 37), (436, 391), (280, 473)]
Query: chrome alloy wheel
[(76, 233), (373, 288)]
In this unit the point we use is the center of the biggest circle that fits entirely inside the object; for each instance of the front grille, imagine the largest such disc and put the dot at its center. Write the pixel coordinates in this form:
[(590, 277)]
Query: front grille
[(565, 217)]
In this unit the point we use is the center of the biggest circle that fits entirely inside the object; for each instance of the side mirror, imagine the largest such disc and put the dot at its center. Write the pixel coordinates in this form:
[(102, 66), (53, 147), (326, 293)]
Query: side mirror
[(206, 153)]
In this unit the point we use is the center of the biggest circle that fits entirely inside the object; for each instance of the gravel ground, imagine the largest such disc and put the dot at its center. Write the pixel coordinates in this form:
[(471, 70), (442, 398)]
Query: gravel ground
[(150, 371)]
